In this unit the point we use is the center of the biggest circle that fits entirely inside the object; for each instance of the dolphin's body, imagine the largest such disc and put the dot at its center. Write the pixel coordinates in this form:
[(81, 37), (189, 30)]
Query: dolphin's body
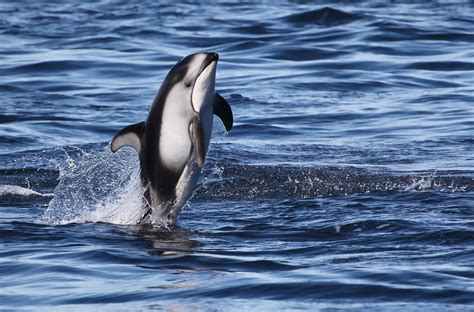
[(173, 141)]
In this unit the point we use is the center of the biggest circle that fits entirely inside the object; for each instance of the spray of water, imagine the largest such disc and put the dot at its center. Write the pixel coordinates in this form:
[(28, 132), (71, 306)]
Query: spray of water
[(15, 190), (98, 187)]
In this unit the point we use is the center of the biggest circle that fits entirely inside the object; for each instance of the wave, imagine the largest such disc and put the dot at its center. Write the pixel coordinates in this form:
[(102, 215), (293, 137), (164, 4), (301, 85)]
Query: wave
[(52, 66), (324, 16)]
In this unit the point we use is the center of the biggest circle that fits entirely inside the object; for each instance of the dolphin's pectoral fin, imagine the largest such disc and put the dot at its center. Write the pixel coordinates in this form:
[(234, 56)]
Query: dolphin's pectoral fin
[(129, 136), (223, 111), (198, 139)]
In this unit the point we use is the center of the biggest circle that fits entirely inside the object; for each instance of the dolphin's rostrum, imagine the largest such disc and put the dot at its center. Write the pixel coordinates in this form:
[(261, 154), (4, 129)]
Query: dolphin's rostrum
[(173, 141)]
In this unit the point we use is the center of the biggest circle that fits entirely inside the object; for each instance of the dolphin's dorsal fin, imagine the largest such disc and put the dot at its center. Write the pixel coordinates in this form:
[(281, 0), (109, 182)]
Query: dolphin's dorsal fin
[(198, 140), (129, 136), (223, 111)]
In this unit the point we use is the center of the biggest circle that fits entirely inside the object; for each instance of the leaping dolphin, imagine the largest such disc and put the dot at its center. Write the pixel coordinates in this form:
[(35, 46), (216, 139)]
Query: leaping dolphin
[(173, 141)]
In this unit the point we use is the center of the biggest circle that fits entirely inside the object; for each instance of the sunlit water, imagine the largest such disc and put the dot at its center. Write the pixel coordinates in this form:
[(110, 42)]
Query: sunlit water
[(346, 182)]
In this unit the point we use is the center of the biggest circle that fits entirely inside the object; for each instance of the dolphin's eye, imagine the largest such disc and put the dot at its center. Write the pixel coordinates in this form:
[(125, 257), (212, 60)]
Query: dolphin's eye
[(187, 83)]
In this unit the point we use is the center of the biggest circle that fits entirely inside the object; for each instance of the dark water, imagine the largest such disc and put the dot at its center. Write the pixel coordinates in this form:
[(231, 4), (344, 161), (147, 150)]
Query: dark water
[(346, 183)]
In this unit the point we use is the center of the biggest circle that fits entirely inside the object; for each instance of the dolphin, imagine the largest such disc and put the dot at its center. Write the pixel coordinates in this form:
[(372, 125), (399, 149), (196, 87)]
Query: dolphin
[(173, 141)]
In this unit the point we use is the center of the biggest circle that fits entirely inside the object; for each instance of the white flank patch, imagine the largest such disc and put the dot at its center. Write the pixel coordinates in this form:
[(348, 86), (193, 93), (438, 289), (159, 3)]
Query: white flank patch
[(175, 142)]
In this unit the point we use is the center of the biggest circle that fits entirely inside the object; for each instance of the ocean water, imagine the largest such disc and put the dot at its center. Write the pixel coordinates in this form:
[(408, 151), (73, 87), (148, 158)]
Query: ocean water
[(347, 181)]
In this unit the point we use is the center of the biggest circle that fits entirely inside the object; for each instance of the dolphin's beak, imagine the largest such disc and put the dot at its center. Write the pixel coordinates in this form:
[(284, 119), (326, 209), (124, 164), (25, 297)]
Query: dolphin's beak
[(213, 57)]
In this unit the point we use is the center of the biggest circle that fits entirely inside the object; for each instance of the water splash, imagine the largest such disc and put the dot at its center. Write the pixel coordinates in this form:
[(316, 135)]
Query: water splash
[(98, 187), (258, 181), (15, 190)]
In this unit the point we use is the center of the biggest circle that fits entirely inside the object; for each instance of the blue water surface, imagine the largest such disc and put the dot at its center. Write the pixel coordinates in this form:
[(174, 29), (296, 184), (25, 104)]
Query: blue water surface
[(347, 181)]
